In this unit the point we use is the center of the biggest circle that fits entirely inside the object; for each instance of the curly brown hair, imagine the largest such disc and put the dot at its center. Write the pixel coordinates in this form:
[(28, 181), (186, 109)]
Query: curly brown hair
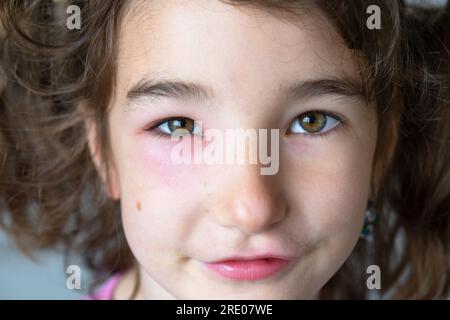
[(53, 195)]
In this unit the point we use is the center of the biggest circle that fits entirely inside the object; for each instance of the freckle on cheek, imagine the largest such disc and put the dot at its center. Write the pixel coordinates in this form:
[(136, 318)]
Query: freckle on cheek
[(138, 205)]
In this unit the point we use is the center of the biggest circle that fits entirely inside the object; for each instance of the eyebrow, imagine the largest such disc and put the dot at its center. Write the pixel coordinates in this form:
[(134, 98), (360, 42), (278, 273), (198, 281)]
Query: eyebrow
[(184, 91), (179, 90), (343, 86)]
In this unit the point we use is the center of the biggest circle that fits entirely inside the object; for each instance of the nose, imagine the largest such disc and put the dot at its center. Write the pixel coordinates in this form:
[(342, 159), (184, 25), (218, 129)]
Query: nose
[(249, 201)]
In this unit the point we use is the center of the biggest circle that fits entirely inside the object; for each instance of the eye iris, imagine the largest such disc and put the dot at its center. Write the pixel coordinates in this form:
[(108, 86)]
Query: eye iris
[(181, 124), (313, 122)]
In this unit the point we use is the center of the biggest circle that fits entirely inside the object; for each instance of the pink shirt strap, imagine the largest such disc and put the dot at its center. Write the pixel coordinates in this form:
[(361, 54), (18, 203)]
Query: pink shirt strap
[(106, 291)]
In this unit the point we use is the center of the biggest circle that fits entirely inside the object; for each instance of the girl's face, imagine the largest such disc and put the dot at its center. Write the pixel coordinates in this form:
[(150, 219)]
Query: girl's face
[(258, 71)]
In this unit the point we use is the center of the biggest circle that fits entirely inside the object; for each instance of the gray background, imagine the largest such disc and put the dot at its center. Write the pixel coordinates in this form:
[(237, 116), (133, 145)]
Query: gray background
[(45, 278)]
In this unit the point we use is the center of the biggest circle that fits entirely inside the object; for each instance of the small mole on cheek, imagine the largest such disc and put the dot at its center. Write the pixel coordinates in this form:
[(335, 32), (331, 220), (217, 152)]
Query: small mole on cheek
[(138, 205)]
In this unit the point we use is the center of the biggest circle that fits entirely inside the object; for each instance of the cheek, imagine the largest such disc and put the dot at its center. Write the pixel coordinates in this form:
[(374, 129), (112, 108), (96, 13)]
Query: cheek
[(328, 193), (154, 158), (329, 186), (160, 200)]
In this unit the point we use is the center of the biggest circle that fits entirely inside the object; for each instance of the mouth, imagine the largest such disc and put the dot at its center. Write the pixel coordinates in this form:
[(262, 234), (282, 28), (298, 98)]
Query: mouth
[(249, 268)]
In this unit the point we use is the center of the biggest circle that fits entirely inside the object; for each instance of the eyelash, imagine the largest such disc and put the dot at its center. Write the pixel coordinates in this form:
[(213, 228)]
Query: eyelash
[(341, 122)]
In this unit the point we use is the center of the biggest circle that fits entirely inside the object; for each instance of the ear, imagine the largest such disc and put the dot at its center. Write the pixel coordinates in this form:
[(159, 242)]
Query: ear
[(108, 174)]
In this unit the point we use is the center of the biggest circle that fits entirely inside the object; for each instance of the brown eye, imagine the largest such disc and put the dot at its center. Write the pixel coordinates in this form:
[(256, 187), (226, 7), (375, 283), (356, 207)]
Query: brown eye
[(181, 125), (313, 123)]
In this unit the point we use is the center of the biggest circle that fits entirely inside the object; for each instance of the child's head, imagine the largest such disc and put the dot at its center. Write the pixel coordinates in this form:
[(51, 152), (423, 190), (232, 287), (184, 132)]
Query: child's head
[(342, 95)]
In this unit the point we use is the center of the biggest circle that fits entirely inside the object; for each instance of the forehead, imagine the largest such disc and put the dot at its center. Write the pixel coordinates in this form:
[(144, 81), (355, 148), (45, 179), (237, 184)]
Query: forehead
[(234, 49)]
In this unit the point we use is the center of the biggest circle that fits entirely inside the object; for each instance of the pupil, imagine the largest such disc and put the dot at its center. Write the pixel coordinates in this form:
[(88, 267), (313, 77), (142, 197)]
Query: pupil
[(310, 119), (313, 122), (181, 124)]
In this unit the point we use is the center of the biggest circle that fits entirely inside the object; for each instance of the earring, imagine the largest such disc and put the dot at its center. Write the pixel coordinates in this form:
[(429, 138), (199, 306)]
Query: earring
[(370, 220)]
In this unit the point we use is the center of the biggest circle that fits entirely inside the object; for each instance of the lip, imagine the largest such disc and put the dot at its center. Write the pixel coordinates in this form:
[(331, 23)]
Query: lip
[(249, 268)]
